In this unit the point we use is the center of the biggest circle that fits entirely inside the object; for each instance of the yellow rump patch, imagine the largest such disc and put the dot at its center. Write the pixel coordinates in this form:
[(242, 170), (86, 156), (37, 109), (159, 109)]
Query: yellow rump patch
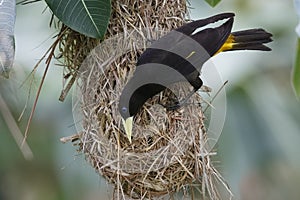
[(227, 45)]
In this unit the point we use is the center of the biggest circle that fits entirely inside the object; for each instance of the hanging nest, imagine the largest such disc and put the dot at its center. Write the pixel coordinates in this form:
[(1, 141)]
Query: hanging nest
[(167, 153)]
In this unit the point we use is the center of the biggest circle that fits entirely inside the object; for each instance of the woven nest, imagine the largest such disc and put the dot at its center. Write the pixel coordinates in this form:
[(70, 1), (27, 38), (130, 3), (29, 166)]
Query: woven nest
[(167, 153)]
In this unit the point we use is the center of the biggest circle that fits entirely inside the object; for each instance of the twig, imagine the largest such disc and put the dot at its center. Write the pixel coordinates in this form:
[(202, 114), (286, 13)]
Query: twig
[(48, 61), (14, 129), (71, 138), (221, 88), (66, 90)]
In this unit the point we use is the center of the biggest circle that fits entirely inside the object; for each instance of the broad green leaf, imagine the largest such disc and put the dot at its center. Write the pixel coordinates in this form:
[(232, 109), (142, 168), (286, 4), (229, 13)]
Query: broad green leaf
[(88, 17), (296, 72), (212, 3)]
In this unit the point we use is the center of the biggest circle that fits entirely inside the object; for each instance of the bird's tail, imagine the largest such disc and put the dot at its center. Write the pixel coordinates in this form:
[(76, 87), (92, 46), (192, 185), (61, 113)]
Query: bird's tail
[(251, 39)]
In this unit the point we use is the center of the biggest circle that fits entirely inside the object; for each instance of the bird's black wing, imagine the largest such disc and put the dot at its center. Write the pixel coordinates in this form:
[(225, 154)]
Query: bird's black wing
[(182, 48), (168, 58), (212, 39), (189, 28)]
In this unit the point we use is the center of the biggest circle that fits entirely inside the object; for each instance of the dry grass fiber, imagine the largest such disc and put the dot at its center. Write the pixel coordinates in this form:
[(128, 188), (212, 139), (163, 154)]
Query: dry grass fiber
[(167, 153)]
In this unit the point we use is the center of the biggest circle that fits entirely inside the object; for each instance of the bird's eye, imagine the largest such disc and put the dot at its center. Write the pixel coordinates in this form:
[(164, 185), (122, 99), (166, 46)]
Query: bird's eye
[(124, 109)]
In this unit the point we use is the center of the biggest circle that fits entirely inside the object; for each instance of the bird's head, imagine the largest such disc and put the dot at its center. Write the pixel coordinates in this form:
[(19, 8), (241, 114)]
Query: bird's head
[(132, 99), (128, 108), (127, 119)]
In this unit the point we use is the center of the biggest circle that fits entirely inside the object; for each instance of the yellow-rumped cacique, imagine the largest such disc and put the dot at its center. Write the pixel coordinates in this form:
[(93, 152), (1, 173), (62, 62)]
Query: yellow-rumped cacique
[(179, 55)]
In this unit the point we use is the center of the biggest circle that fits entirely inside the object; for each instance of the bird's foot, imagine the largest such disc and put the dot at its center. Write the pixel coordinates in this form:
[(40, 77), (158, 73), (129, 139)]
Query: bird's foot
[(178, 104), (174, 106)]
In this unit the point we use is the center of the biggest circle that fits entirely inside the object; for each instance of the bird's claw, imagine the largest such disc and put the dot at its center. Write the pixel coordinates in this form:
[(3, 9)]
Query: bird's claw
[(172, 107)]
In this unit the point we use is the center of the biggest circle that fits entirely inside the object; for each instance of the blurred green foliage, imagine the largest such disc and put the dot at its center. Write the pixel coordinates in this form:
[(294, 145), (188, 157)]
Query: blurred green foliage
[(296, 72), (213, 3)]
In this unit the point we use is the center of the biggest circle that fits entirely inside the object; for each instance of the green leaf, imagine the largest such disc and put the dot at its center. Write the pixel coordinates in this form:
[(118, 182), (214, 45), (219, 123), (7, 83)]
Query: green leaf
[(296, 72), (88, 17), (213, 3)]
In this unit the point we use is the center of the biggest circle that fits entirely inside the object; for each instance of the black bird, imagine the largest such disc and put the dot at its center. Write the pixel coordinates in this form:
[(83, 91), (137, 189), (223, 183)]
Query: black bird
[(179, 55)]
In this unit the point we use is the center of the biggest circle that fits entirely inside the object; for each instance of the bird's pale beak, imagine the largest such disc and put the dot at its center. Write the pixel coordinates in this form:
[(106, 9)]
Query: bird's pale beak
[(128, 127)]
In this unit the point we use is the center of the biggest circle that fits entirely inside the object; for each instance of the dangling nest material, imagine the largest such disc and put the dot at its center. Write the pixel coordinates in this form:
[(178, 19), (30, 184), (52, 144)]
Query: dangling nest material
[(73, 48), (168, 152)]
